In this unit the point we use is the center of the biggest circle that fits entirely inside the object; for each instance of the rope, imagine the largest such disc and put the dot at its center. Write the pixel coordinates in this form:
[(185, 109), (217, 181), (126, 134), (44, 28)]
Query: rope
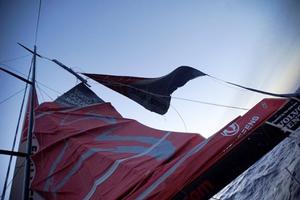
[(17, 172), (13, 59), (43, 91), (289, 95), (16, 133), (42, 84), (11, 96), (40, 91), (12, 69), (212, 104), (178, 98), (184, 124)]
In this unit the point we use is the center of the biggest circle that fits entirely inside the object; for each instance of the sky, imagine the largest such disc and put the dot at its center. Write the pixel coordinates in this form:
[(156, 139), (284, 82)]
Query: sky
[(253, 43)]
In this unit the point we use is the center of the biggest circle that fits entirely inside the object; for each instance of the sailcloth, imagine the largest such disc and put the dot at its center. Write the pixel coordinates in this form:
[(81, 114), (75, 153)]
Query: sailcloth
[(27, 114), (89, 151), (152, 93)]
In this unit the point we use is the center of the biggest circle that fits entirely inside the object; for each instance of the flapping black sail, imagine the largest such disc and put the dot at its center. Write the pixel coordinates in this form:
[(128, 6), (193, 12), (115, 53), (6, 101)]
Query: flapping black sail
[(152, 93)]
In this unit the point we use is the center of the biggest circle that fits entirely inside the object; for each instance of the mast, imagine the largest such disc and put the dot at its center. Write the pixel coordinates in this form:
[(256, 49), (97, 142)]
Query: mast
[(30, 132), (12, 152)]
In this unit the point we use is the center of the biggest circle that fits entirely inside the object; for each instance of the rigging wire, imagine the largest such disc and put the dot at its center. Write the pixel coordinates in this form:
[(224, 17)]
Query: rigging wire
[(16, 133), (174, 97), (179, 98), (184, 124), (42, 84), (49, 88), (12, 69), (288, 95), (37, 23), (209, 103), (43, 91), (41, 94), (26, 194), (11, 96), (15, 174), (13, 59), (291, 95)]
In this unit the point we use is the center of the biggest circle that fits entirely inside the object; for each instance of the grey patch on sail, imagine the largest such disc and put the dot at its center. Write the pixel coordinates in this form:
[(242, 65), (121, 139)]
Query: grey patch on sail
[(79, 96)]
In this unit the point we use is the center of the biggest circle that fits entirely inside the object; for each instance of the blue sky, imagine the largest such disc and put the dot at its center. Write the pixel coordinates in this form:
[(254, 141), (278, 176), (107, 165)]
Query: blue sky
[(252, 43)]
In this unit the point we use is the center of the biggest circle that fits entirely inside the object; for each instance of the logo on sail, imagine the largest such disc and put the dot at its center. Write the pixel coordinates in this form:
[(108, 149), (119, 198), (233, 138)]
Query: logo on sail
[(231, 130)]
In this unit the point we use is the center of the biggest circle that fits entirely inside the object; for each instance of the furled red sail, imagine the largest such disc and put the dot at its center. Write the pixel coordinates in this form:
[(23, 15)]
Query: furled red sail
[(89, 151), (152, 93), (27, 114)]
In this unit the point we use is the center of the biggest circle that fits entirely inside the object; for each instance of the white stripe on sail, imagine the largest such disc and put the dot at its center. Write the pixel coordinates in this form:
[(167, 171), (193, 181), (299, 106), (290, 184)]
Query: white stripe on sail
[(116, 164)]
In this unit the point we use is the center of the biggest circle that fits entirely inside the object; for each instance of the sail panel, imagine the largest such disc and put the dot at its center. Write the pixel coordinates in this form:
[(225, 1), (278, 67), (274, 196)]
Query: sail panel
[(92, 152), (152, 93), (206, 155), (27, 114), (100, 151), (80, 95)]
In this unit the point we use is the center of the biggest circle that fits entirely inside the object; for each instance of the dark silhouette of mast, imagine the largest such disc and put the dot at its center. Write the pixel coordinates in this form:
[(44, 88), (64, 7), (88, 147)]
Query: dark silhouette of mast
[(30, 131)]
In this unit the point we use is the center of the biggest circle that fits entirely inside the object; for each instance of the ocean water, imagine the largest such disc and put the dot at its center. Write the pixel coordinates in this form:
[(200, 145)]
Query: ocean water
[(276, 176)]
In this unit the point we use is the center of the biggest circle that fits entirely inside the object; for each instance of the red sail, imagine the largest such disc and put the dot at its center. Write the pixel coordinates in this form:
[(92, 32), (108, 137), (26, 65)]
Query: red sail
[(92, 152), (27, 114)]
